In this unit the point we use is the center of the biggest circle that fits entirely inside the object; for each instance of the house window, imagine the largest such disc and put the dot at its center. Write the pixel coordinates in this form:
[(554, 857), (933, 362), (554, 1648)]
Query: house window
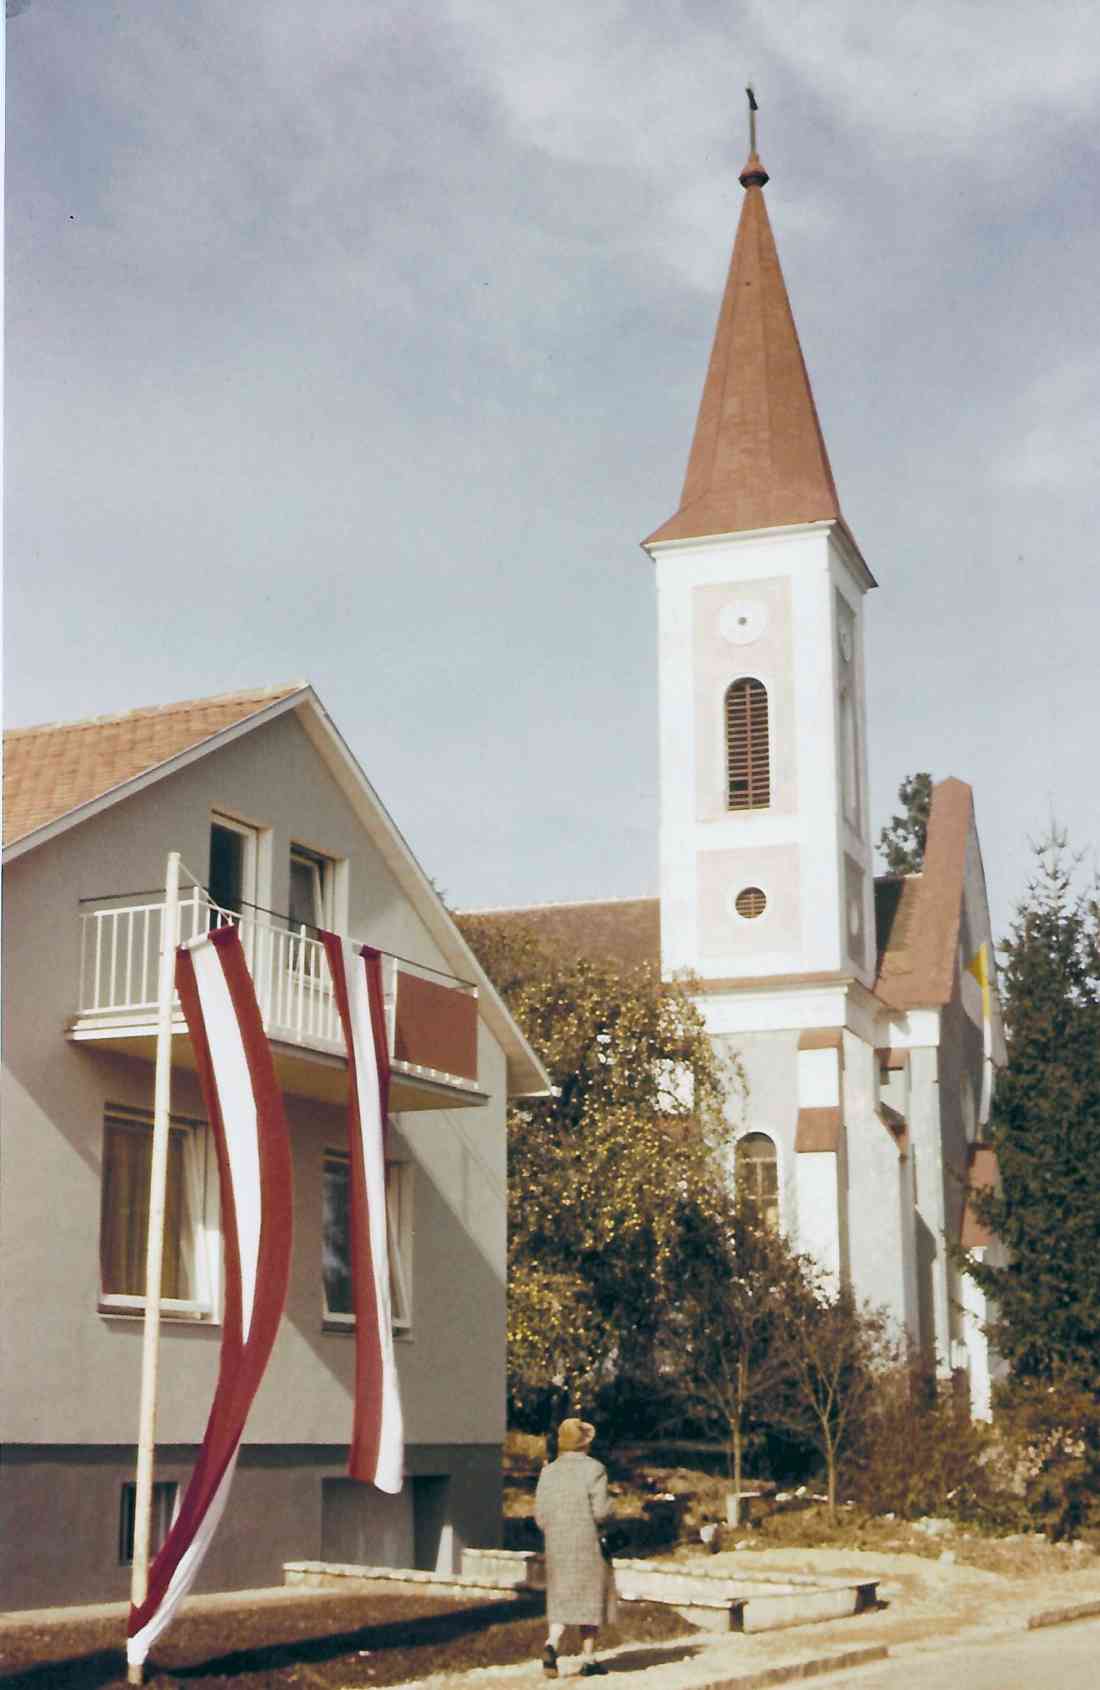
[(165, 1499), (336, 1241), (757, 1175), (310, 889), (310, 910), (231, 874), (748, 758), (187, 1276)]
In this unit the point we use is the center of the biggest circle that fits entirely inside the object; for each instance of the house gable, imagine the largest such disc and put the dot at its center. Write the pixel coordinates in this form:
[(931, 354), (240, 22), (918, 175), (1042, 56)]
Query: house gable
[(93, 766), (58, 774)]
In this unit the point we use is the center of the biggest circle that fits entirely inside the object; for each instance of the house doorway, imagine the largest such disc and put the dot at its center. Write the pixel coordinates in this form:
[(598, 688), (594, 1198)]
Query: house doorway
[(231, 877)]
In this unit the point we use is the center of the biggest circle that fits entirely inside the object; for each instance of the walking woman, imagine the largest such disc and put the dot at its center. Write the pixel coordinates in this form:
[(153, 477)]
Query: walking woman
[(570, 1503)]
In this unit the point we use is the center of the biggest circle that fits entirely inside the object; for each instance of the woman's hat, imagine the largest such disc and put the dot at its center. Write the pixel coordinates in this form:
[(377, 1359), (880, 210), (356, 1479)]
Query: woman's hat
[(574, 1435)]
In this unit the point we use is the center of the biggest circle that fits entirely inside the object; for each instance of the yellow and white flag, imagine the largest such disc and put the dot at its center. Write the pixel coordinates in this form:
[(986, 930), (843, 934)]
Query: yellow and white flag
[(979, 967)]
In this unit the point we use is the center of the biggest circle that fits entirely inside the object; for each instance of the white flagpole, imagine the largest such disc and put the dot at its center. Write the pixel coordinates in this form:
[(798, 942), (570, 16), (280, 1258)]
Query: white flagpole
[(154, 1256)]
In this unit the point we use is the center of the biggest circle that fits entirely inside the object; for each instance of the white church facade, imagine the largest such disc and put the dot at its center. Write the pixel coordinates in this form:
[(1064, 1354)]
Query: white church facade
[(853, 1006)]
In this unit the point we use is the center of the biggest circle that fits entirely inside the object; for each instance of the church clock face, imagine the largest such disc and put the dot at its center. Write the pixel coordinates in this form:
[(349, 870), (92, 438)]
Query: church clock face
[(743, 621)]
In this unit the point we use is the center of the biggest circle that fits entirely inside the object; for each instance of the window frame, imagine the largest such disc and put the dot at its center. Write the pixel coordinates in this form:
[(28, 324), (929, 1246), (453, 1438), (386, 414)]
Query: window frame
[(200, 1174), (250, 863), (163, 1518), (324, 869), (739, 741), (755, 1198), (399, 1243)]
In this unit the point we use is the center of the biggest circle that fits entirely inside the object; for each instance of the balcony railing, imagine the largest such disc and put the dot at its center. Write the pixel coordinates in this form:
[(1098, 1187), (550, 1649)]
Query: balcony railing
[(431, 1017)]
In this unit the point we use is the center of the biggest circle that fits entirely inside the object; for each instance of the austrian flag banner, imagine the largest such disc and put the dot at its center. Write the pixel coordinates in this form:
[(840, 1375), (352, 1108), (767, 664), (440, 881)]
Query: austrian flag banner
[(245, 1109), (377, 1442)]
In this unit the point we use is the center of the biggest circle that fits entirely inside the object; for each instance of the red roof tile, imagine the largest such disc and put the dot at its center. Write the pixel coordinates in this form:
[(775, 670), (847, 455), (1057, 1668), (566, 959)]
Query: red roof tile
[(917, 918), (54, 769), (622, 930)]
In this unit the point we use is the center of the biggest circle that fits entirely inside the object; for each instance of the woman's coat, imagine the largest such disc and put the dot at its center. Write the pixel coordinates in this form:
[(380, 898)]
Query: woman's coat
[(570, 1503)]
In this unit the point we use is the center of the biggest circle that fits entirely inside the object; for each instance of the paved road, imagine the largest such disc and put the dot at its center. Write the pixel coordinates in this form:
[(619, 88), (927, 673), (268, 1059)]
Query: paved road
[(1064, 1657)]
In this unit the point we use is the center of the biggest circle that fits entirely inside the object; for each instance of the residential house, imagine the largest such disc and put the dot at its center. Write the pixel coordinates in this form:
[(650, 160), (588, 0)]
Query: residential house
[(279, 830)]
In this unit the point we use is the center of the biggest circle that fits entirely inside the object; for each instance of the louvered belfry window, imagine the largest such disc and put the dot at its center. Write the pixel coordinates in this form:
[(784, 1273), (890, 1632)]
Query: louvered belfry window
[(748, 766)]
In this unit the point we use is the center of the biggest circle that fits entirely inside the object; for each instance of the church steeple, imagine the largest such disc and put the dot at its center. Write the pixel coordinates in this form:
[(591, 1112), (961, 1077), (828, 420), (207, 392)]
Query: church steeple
[(758, 458), (765, 848)]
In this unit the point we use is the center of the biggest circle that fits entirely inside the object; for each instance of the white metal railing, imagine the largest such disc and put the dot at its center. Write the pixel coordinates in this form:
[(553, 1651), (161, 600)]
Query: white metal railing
[(120, 947)]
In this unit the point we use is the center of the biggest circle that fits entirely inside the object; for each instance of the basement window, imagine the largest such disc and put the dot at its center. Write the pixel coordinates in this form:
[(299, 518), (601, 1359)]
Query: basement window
[(165, 1505)]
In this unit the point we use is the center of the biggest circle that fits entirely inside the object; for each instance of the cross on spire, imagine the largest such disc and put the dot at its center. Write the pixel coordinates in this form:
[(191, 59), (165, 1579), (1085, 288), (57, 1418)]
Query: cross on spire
[(753, 109), (758, 457)]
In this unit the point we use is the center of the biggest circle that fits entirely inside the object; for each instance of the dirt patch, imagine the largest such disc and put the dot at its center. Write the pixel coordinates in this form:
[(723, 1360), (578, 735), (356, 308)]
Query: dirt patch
[(317, 1643), (800, 1524)]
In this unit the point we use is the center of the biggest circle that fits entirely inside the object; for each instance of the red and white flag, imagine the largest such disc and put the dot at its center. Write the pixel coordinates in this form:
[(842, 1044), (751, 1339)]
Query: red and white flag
[(245, 1109), (377, 1441)]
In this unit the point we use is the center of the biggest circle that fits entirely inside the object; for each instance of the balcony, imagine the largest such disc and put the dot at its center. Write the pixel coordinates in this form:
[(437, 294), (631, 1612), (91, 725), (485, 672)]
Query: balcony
[(431, 1017)]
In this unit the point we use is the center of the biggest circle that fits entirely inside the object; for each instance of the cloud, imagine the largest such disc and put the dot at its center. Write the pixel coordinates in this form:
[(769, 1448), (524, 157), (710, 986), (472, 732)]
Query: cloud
[(656, 94), (1058, 451), (969, 79)]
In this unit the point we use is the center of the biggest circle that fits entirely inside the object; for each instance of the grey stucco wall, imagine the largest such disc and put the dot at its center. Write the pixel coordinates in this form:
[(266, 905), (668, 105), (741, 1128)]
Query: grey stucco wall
[(59, 1534)]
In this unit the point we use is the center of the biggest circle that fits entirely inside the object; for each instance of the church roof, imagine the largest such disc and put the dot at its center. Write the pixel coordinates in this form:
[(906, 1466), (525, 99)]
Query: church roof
[(52, 770), (758, 458), (916, 917), (626, 931)]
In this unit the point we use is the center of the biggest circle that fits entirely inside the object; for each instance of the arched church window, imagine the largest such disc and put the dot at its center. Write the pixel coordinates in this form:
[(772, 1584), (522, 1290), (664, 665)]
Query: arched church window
[(748, 759), (756, 1170)]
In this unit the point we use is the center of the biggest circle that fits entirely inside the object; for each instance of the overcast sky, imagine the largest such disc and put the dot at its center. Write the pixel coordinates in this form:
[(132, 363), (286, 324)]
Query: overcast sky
[(363, 342)]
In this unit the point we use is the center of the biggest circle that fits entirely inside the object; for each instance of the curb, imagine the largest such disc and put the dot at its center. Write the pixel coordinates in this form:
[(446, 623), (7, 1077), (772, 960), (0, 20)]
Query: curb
[(707, 1676), (789, 1672), (1063, 1616)]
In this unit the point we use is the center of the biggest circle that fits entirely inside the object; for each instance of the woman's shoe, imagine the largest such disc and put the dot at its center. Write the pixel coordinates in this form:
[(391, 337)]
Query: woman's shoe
[(593, 1669), (550, 1662)]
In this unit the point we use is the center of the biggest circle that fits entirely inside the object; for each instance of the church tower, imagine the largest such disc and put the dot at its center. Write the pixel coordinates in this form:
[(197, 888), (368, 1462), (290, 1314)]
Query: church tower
[(765, 853), (767, 889)]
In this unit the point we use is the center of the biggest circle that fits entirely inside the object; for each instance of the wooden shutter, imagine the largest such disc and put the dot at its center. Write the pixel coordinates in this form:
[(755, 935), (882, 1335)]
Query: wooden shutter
[(748, 763)]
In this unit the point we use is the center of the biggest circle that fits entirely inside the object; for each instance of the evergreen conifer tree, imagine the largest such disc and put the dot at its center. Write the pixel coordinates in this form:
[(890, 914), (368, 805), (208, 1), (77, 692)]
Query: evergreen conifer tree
[(902, 842), (1046, 1130)]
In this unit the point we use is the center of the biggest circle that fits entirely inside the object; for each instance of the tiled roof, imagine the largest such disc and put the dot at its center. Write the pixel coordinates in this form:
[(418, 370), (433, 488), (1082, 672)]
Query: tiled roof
[(52, 770), (758, 458), (626, 931), (917, 918)]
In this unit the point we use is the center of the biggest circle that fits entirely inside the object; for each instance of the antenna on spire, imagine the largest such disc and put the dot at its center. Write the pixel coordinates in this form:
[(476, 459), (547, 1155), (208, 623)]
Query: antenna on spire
[(753, 109)]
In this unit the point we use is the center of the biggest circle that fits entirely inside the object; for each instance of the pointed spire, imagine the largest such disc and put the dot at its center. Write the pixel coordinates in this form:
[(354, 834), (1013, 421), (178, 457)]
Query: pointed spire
[(758, 459)]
